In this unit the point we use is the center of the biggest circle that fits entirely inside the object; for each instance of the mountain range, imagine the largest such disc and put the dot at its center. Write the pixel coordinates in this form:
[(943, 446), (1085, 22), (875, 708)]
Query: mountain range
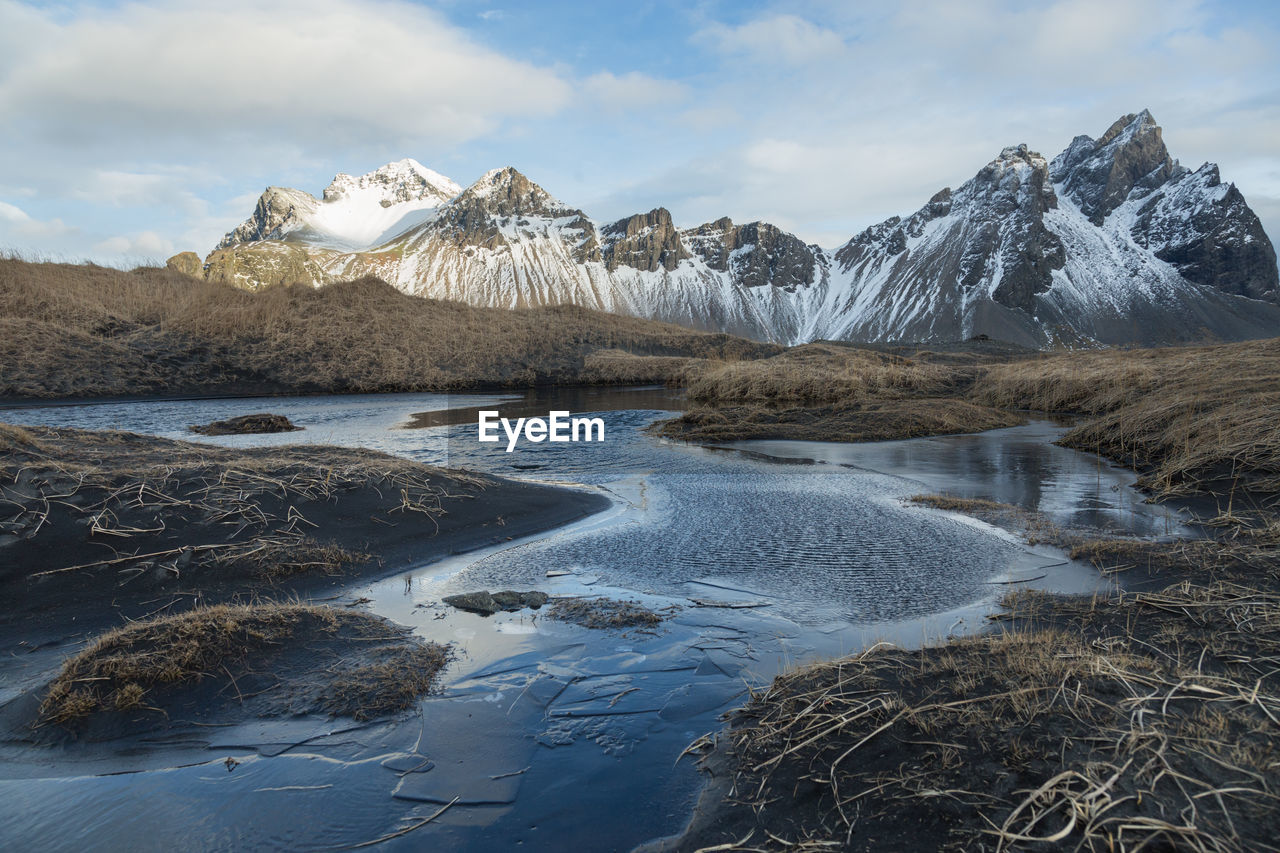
[(1111, 242)]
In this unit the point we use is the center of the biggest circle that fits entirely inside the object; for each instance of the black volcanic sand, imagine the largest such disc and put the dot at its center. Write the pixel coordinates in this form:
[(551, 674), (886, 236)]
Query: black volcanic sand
[(101, 528), (1145, 719)]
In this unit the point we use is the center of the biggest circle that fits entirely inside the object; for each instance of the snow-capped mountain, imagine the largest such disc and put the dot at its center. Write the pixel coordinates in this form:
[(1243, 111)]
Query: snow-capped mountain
[(1110, 242), (353, 212)]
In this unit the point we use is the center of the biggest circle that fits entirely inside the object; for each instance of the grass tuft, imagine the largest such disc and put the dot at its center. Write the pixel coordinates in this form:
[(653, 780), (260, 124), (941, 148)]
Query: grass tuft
[(605, 613), (146, 661)]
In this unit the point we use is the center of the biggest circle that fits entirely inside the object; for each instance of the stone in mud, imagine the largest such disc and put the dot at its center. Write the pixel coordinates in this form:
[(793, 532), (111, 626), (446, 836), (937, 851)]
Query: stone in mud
[(487, 604), (475, 602), (508, 599)]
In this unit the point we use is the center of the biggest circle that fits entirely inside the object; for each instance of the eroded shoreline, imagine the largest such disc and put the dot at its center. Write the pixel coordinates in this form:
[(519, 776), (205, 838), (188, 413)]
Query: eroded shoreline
[(479, 682)]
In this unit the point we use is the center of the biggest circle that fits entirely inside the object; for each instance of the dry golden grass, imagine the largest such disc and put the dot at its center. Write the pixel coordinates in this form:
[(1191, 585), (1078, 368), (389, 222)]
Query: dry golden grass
[(123, 668), (13, 438), (1046, 739), (1193, 419), (825, 373), (236, 508), (871, 420), (68, 330), (617, 367)]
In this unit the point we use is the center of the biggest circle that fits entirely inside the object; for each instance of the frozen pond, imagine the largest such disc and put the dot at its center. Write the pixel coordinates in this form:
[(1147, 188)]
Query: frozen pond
[(550, 735)]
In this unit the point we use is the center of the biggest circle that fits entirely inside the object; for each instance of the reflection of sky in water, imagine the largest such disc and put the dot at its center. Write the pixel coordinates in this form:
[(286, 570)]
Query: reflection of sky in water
[(579, 722), (826, 541)]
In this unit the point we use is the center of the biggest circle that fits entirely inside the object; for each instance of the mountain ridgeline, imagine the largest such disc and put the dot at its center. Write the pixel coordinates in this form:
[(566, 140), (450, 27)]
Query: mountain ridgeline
[(1111, 242)]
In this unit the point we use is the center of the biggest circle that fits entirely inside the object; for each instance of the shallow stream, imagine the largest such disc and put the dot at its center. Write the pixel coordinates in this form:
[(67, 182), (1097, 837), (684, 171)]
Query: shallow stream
[(550, 736)]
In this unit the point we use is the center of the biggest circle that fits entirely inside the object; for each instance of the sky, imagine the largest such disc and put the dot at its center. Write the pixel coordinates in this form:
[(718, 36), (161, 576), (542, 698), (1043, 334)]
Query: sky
[(133, 130)]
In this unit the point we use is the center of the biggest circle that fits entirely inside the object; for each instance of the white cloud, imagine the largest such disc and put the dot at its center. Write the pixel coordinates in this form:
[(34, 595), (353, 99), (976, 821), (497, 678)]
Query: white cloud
[(147, 245), (118, 188), (902, 99), (786, 38), (12, 213), (632, 91), (313, 73), (17, 222)]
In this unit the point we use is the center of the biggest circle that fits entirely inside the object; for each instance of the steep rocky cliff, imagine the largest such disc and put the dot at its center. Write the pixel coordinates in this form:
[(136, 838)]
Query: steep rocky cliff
[(1113, 242)]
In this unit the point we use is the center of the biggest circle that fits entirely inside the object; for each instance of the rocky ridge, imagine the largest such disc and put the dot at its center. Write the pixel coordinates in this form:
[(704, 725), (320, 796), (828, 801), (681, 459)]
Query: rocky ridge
[(1112, 242)]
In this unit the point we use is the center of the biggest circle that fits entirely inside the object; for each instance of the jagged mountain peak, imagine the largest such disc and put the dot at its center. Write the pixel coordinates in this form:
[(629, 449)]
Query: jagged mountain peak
[(279, 211), (1100, 175), (504, 181), (1016, 155), (354, 212), (1018, 176), (507, 192), (1014, 162), (757, 254), (1130, 126), (1110, 242), (395, 183), (644, 241), (1191, 220), (504, 208)]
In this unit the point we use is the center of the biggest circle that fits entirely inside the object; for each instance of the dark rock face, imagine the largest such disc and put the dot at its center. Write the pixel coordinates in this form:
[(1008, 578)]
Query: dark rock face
[(996, 241), (1028, 251), (1189, 219), (277, 209), (757, 254), (1207, 231), (645, 241), (504, 198), (1100, 176)]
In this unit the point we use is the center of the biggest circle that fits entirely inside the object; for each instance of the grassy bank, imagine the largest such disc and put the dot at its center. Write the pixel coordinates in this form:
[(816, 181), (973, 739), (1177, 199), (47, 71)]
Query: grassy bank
[(1144, 720), (1141, 721), (280, 658), (147, 549), (1193, 420), (87, 331), (104, 525)]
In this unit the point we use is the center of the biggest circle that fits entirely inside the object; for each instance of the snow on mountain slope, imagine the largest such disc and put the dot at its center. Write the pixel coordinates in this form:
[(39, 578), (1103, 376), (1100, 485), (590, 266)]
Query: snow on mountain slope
[(1111, 242), (353, 213)]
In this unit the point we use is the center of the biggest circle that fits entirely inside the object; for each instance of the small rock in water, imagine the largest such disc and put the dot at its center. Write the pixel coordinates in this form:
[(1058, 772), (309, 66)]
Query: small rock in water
[(508, 599), (475, 602), (487, 604)]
